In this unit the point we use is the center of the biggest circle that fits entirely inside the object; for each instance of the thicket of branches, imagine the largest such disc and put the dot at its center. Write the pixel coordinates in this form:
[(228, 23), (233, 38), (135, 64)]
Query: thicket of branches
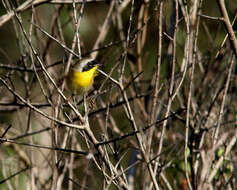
[(162, 113)]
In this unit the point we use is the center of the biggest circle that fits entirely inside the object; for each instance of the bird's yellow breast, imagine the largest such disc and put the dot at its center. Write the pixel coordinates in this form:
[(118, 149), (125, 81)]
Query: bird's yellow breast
[(82, 81)]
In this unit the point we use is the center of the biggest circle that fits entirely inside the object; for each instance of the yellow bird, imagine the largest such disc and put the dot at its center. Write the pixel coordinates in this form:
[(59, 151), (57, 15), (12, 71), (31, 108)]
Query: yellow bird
[(81, 77)]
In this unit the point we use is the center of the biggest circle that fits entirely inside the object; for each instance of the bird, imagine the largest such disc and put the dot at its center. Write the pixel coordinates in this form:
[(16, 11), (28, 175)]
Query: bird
[(81, 76)]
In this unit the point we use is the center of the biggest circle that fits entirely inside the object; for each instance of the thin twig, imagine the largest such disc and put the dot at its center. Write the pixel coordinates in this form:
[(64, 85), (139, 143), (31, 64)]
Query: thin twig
[(228, 25)]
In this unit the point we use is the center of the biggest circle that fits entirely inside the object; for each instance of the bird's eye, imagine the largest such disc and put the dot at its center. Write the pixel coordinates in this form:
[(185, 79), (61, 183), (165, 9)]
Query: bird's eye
[(92, 63), (89, 65)]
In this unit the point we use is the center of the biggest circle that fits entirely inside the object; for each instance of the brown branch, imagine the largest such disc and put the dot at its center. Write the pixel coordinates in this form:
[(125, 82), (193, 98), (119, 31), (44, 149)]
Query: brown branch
[(28, 4), (3, 140), (15, 174), (228, 25)]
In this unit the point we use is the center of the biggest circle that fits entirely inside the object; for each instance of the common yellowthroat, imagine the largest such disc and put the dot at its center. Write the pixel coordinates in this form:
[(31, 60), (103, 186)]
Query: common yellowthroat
[(81, 76)]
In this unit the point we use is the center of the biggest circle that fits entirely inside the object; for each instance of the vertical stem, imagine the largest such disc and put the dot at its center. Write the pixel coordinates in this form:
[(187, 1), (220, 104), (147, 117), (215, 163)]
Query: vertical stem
[(228, 25)]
